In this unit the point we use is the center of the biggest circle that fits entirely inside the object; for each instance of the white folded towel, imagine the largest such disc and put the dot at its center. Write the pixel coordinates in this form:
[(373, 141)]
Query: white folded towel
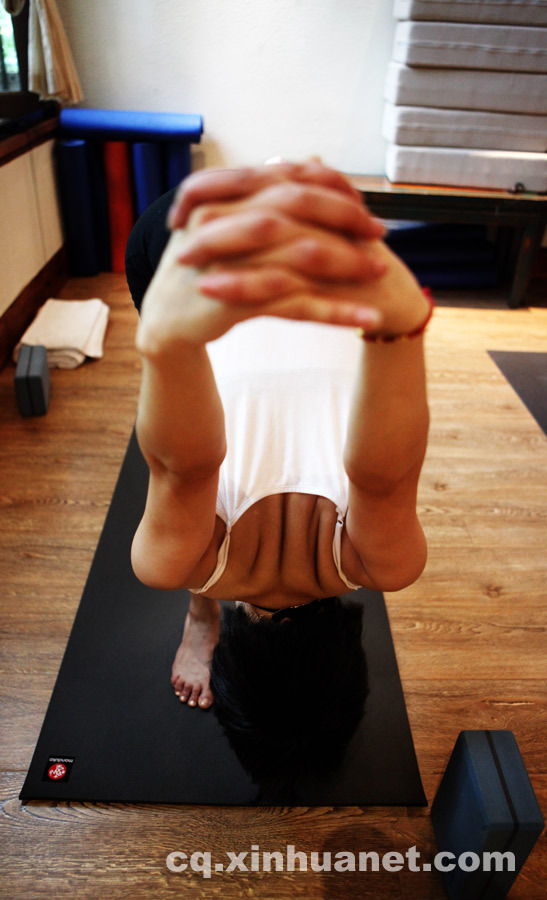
[(70, 330)]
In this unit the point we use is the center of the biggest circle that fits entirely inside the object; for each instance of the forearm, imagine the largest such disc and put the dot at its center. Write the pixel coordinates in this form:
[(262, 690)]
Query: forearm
[(180, 419), (389, 419)]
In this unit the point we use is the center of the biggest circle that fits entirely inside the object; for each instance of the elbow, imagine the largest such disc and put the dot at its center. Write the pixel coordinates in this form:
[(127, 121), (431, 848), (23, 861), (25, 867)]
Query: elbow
[(406, 573), (142, 571), (396, 573), (398, 579), (155, 580), (149, 571)]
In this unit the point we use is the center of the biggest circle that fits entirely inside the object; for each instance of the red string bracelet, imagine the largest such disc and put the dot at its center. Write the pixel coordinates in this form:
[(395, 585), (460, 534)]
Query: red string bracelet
[(407, 335)]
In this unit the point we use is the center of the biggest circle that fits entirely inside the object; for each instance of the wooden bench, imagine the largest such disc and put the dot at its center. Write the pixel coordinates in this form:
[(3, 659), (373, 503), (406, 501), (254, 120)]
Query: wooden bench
[(524, 213)]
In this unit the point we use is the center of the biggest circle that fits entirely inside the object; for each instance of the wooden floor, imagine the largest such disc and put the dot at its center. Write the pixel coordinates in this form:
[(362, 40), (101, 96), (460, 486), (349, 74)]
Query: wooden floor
[(469, 635)]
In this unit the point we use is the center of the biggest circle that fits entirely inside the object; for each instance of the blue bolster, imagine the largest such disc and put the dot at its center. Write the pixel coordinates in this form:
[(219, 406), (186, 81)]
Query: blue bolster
[(124, 125)]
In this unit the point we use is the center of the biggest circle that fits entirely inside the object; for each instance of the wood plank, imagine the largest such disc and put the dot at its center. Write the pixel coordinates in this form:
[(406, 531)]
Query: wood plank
[(89, 850), (469, 635), (379, 184)]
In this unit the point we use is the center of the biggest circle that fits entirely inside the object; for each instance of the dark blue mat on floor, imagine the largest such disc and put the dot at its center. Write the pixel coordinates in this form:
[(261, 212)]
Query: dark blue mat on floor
[(527, 375), (115, 731)]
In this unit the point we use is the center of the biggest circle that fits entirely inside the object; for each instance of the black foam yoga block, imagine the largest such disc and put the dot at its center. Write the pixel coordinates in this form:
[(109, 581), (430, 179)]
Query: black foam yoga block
[(20, 381), (32, 382), (485, 804)]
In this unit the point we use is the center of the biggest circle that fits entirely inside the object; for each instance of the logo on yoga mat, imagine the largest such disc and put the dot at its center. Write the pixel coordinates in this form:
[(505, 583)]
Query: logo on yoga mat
[(58, 768)]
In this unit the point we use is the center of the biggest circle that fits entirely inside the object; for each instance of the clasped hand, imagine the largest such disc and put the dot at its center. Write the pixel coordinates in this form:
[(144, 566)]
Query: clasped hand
[(285, 240)]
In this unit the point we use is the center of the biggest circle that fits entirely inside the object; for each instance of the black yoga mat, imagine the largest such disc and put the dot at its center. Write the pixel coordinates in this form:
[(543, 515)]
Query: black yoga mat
[(527, 375), (114, 730)]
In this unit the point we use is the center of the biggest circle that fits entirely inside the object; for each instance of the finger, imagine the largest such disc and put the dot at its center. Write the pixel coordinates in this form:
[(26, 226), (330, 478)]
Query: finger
[(241, 233), (211, 185), (265, 283), (306, 203), (321, 206), (324, 256), (325, 310), (307, 250), (214, 184), (313, 170)]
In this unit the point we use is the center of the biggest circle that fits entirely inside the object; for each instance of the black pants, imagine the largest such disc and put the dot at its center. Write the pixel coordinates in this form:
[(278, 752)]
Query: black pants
[(145, 246)]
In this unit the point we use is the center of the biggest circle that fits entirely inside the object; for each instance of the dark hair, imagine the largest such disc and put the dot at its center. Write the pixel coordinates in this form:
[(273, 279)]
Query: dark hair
[(290, 694)]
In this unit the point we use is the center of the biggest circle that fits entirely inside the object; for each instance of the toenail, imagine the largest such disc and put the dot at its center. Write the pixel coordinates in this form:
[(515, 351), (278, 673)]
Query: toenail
[(191, 703)]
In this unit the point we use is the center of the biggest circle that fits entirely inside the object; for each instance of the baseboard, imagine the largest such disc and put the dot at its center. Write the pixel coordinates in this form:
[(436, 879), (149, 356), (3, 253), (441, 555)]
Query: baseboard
[(18, 316)]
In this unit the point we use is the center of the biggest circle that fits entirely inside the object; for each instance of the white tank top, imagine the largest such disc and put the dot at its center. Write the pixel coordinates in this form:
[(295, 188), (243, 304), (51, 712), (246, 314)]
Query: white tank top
[(286, 391)]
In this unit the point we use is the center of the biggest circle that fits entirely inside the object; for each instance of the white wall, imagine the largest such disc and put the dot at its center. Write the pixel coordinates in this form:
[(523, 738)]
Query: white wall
[(270, 77)]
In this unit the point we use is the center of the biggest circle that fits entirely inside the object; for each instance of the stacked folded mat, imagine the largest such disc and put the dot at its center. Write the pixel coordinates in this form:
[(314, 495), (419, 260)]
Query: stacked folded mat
[(112, 164), (466, 94)]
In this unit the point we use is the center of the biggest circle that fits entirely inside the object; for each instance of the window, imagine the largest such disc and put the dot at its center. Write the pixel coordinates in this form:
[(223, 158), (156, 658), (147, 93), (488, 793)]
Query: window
[(9, 64), (15, 98)]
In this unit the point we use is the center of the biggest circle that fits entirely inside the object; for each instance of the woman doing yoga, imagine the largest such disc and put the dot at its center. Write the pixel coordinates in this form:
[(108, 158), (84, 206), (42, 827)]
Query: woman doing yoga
[(284, 450)]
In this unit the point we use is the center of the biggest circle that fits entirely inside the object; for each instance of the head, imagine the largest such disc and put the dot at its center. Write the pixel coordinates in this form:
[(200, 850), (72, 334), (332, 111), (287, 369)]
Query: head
[(289, 693)]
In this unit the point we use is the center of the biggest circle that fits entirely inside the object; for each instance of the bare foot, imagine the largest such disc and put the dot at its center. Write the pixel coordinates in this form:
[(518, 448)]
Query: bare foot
[(190, 673)]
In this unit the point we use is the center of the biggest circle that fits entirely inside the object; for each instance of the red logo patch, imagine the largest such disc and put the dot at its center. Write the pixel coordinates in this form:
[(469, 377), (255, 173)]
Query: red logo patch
[(57, 771)]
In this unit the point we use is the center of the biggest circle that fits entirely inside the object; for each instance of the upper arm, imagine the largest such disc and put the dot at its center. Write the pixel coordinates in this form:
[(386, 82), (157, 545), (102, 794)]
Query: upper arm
[(176, 528), (387, 543)]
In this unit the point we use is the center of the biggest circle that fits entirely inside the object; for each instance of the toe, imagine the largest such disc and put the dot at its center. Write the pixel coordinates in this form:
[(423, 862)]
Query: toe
[(194, 696), (177, 684), (206, 698), (185, 691)]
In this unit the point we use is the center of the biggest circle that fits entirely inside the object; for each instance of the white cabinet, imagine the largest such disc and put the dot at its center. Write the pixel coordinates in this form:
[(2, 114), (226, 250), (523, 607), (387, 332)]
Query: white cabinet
[(45, 184), (30, 221)]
